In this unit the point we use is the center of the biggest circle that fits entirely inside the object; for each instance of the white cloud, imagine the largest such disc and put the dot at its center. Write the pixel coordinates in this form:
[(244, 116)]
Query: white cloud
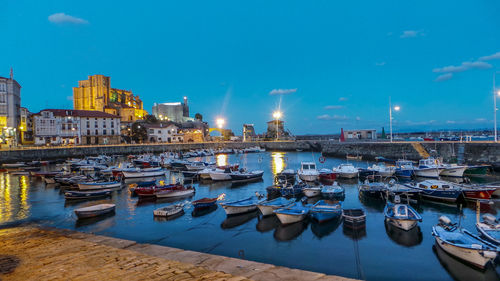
[(450, 122), (495, 56), (444, 77), (334, 117), (342, 99), (463, 67), (282, 91), (63, 18), (330, 107), (382, 63), (411, 33)]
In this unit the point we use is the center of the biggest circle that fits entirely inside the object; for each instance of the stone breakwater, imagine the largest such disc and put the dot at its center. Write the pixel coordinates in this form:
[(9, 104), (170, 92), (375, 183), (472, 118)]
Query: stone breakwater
[(471, 153), (34, 253)]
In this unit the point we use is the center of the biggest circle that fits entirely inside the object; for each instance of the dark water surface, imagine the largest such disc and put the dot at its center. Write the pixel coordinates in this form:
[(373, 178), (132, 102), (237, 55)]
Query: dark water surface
[(379, 253)]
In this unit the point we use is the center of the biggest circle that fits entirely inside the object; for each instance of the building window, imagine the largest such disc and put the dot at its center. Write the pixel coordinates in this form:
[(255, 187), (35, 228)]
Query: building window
[(96, 132), (88, 132), (3, 87), (112, 132), (159, 131), (3, 97), (88, 124), (112, 123), (104, 132)]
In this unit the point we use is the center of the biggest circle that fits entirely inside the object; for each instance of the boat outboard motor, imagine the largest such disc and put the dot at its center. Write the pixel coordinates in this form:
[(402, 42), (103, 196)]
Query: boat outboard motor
[(490, 219), (444, 220), (397, 199)]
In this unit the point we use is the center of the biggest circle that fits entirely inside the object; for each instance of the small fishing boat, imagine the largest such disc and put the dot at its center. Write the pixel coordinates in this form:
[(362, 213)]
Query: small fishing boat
[(267, 207), (240, 206), (291, 214), (462, 244), (292, 190), (221, 175), (287, 175), (78, 195), (437, 190), (246, 175), (207, 202), (311, 190), (372, 189), (175, 192), (94, 211), (169, 210), (404, 169), (143, 173), (150, 191), (402, 216), (98, 185), (14, 165), (333, 191), (325, 210), (477, 170), (489, 228), (452, 170), (354, 218), (382, 169), (308, 171), (346, 171)]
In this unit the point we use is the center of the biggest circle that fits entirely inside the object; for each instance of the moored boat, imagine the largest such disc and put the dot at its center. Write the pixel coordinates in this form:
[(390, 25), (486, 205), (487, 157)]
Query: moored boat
[(311, 190), (143, 173), (267, 207), (291, 214), (327, 175), (207, 202), (94, 211), (437, 190), (354, 218), (404, 169), (240, 206), (452, 170), (175, 192), (428, 168), (489, 228), (402, 216), (99, 185), (308, 172), (333, 191), (346, 171), (169, 210), (81, 195), (246, 175), (325, 210), (462, 244)]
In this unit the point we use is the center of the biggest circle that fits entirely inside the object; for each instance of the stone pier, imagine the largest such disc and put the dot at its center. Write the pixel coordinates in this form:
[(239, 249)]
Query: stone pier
[(36, 253)]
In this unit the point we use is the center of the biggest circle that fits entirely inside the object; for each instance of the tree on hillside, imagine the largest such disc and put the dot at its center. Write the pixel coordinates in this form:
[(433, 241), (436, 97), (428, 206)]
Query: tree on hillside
[(151, 119), (198, 116)]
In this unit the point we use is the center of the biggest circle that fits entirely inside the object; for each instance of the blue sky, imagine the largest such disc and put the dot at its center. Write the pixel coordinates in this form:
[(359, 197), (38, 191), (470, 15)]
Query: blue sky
[(336, 62)]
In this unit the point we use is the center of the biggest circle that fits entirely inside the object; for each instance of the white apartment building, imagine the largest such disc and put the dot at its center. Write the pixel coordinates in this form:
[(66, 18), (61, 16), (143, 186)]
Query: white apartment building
[(163, 132)]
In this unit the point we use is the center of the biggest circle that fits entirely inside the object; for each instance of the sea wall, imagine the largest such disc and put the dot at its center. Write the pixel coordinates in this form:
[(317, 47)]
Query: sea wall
[(472, 153)]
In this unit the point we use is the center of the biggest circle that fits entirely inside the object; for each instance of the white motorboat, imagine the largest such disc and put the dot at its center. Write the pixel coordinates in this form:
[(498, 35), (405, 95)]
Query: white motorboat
[(308, 171), (143, 173), (428, 168), (205, 173), (195, 166), (402, 216), (452, 170), (267, 207), (220, 175), (99, 185), (489, 227), (347, 171)]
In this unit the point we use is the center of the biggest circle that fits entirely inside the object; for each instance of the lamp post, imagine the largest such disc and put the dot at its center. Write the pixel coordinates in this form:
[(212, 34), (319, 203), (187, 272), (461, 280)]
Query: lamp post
[(277, 116), (396, 108)]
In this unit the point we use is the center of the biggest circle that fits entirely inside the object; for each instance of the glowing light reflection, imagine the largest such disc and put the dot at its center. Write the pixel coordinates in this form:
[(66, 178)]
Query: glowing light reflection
[(278, 163), (222, 160)]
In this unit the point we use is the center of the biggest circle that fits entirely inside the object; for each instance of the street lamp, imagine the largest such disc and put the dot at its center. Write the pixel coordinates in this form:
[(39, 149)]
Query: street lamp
[(220, 122), (277, 115), (396, 108), (495, 94)]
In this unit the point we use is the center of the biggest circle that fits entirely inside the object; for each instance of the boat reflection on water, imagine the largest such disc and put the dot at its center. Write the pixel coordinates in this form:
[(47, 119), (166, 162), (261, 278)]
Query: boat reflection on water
[(290, 231), (104, 221), (410, 238), (198, 212), (245, 182), (461, 271), (169, 218), (236, 220), (267, 223), (144, 201), (373, 204), (321, 230), (356, 233)]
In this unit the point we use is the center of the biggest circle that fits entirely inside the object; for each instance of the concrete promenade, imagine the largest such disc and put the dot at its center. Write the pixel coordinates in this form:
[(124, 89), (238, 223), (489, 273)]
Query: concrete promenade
[(35, 253), (463, 152)]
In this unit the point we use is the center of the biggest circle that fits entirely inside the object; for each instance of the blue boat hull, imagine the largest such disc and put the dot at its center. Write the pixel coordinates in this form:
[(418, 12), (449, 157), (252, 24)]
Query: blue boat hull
[(325, 216), (404, 173)]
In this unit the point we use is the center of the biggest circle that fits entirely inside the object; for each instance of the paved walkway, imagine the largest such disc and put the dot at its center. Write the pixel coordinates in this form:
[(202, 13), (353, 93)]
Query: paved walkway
[(33, 253)]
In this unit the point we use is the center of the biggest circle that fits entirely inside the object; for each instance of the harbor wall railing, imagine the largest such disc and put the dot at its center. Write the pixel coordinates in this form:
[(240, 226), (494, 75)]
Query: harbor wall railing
[(470, 152)]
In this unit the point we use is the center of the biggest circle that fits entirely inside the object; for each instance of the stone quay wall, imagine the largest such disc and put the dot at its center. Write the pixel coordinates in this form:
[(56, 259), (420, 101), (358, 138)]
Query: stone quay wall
[(471, 153)]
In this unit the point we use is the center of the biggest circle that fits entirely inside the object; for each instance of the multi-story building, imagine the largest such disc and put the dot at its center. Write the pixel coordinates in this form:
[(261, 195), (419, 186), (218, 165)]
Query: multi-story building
[(26, 127), (66, 126), (163, 132), (96, 94), (248, 132), (10, 104), (172, 111)]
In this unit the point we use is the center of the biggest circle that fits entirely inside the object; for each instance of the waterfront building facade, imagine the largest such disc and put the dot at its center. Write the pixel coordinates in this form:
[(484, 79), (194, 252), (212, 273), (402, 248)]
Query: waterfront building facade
[(26, 127), (163, 132), (10, 113), (369, 134), (66, 127), (96, 94), (249, 132), (173, 111)]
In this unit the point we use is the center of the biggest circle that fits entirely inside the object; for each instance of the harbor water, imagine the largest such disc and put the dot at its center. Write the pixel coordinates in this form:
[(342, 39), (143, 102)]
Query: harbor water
[(378, 252)]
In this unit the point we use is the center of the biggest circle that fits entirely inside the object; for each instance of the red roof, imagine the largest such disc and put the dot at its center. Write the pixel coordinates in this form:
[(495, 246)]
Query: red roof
[(80, 113)]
